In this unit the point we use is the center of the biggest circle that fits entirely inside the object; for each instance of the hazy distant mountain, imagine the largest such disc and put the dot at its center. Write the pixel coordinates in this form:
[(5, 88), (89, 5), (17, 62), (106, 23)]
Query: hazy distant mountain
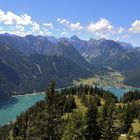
[(118, 55), (126, 45), (43, 45), (29, 44), (79, 44), (92, 48)]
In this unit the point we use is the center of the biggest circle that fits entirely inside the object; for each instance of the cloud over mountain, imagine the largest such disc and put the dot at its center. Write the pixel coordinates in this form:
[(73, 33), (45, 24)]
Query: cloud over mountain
[(73, 26), (135, 27), (25, 24)]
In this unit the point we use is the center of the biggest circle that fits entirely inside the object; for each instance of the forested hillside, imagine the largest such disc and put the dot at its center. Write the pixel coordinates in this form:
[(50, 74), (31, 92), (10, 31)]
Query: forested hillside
[(18, 70), (77, 113)]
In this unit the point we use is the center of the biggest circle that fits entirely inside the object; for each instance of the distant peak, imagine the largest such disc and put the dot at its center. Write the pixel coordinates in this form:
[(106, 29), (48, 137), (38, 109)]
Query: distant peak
[(30, 35), (74, 37), (92, 39), (125, 45), (7, 34), (102, 39)]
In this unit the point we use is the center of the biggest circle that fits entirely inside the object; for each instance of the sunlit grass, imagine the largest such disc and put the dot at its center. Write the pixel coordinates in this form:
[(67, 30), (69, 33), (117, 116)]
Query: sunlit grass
[(136, 126), (79, 108)]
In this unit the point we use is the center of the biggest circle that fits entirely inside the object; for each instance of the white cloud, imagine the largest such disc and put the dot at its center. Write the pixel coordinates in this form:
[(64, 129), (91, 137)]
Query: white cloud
[(16, 32), (35, 27), (135, 27), (103, 26), (11, 18), (58, 19), (63, 21), (64, 33), (73, 26), (120, 30), (1, 31), (23, 25), (45, 32), (76, 26), (49, 25), (20, 27), (19, 24), (25, 20)]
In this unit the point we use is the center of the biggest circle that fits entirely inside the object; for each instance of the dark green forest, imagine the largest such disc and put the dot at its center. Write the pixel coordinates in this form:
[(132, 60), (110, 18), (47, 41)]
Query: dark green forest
[(59, 117)]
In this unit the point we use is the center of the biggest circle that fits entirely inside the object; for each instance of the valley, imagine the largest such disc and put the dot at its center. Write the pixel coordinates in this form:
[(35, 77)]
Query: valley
[(71, 62), (19, 103), (113, 79), (102, 62), (70, 70)]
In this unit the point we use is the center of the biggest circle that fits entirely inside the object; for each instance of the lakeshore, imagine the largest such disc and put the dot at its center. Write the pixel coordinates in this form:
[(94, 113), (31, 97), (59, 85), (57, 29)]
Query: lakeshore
[(19, 103), (30, 94), (15, 105)]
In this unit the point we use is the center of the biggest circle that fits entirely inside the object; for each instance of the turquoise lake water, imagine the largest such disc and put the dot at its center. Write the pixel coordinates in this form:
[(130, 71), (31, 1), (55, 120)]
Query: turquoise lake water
[(117, 91), (15, 105)]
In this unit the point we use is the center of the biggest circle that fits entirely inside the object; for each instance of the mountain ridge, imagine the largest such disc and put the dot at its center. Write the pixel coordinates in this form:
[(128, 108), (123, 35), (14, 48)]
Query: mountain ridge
[(32, 54)]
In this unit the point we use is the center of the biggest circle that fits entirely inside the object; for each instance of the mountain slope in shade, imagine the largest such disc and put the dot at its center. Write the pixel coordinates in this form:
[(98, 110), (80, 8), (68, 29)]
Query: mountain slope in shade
[(43, 45), (20, 73), (90, 55), (125, 45), (29, 44)]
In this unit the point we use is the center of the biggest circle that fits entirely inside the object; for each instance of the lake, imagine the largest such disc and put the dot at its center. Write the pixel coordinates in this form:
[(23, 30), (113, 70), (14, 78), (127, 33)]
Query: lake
[(15, 105), (117, 91)]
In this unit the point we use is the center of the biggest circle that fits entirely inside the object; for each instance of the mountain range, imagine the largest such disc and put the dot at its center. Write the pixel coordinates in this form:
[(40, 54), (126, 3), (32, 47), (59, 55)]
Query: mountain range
[(31, 62), (120, 56)]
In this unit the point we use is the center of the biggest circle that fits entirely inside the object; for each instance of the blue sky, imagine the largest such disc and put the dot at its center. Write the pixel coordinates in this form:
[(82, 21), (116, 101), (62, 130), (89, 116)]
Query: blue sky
[(113, 19)]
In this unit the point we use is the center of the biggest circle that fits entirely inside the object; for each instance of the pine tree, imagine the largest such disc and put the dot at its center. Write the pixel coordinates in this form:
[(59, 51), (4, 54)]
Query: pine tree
[(53, 114), (106, 122), (69, 104), (97, 100), (75, 128), (139, 117), (127, 118), (91, 90), (83, 99), (92, 131)]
